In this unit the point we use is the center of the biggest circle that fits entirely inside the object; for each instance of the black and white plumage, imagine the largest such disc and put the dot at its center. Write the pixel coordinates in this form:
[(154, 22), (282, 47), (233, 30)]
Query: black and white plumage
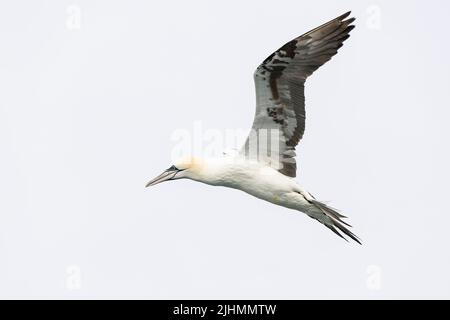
[(265, 169), (280, 85)]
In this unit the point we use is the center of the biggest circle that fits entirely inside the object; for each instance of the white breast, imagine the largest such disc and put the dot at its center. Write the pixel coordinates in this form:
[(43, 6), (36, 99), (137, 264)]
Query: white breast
[(252, 177)]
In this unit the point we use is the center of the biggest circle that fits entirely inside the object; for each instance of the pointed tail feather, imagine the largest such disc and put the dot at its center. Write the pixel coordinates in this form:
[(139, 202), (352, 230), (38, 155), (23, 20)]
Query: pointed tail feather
[(333, 212), (333, 220)]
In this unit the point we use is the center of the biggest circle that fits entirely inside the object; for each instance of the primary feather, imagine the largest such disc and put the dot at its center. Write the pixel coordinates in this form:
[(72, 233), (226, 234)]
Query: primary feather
[(280, 84)]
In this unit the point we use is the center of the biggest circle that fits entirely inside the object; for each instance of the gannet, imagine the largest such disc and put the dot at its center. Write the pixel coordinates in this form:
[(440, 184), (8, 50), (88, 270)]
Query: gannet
[(265, 167)]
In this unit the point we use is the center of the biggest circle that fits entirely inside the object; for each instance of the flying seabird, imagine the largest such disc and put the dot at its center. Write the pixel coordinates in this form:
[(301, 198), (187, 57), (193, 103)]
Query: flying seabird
[(265, 166)]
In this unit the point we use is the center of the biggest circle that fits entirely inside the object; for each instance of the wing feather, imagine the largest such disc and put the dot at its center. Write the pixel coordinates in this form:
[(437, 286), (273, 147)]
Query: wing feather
[(280, 93)]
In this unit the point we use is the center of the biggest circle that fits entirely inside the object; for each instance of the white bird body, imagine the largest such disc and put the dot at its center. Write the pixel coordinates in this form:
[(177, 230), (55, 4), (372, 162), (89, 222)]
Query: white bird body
[(254, 178), (267, 170)]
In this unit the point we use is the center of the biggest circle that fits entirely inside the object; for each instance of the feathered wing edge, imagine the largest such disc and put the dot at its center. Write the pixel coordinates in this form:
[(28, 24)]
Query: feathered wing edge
[(280, 81), (335, 222)]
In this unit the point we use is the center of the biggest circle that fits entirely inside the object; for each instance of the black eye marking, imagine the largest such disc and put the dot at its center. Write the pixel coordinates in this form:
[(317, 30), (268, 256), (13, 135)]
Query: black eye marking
[(173, 168)]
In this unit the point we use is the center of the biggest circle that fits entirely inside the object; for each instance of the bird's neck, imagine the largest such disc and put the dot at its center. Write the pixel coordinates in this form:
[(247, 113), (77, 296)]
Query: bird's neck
[(213, 171)]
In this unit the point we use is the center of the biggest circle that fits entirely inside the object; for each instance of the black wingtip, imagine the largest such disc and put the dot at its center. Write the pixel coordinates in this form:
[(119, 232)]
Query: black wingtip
[(349, 28), (345, 15), (351, 20)]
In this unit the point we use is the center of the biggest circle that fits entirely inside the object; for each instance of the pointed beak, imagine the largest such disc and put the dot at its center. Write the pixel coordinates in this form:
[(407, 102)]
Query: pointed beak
[(166, 175)]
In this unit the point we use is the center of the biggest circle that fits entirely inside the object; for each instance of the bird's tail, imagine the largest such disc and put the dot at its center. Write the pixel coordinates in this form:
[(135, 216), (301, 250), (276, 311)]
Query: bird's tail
[(332, 220)]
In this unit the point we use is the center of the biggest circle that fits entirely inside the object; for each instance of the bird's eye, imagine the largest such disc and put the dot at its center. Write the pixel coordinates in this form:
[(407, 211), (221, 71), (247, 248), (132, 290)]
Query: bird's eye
[(172, 168)]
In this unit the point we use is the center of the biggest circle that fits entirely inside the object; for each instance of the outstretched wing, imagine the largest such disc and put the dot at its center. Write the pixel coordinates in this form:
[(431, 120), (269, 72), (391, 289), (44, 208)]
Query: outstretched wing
[(279, 121)]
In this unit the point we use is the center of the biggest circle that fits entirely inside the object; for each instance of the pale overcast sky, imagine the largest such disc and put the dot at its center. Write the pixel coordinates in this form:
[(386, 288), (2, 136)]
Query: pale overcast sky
[(93, 91)]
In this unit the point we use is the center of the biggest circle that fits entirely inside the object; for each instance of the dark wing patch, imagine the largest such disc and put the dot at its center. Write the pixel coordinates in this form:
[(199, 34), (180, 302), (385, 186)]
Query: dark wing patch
[(280, 80)]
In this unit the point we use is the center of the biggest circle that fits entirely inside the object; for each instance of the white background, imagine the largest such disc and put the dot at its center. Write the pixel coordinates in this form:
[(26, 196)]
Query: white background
[(92, 91)]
